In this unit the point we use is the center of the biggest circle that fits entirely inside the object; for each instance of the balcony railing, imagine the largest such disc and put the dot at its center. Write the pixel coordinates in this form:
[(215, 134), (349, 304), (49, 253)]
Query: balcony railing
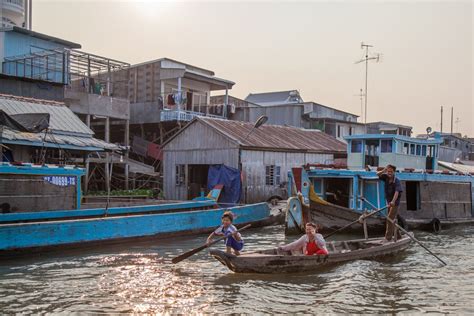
[(13, 5), (184, 116)]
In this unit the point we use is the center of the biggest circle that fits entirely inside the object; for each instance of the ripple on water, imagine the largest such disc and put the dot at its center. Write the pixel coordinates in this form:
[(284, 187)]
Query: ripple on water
[(138, 278)]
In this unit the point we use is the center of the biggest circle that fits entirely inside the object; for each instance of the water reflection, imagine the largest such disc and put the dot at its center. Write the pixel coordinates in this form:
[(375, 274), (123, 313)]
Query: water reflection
[(138, 278)]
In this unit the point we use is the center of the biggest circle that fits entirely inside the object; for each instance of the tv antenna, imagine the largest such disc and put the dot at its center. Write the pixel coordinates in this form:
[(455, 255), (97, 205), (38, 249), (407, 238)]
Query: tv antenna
[(457, 124), (366, 59)]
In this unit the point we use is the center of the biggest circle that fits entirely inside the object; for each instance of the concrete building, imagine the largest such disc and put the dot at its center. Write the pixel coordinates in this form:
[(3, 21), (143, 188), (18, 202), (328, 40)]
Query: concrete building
[(263, 155), (275, 98), (389, 128), (289, 108), (454, 147), (237, 109), (168, 91), (16, 13), (164, 95), (40, 66), (471, 148)]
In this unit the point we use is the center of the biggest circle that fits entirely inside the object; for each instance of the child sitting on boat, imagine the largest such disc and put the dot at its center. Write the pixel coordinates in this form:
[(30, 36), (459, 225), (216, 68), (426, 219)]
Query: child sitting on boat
[(310, 244), (234, 240)]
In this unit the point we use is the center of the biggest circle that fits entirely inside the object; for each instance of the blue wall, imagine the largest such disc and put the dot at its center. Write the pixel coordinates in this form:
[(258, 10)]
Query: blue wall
[(18, 44)]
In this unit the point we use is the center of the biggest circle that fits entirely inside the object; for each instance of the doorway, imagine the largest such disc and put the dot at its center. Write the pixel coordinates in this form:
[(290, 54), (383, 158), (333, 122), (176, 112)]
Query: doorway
[(338, 191), (413, 195), (197, 180)]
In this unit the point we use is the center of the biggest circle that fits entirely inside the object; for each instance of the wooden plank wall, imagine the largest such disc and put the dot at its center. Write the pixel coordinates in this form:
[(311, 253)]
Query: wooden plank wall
[(31, 193), (253, 166), (442, 200), (197, 144)]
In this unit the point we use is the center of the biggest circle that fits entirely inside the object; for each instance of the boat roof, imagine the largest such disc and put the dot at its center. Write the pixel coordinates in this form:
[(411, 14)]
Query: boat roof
[(428, 141), (402, 174)]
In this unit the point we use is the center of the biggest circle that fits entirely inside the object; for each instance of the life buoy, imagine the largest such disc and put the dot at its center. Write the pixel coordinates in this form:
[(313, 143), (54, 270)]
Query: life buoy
[(436, 225)]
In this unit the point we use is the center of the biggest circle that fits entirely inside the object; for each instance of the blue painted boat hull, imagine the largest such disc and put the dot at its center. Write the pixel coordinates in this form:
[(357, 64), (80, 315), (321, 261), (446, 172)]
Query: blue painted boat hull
[(46, 234)]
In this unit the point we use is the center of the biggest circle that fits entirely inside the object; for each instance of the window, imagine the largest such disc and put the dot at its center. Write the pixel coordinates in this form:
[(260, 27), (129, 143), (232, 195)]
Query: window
[(431, 151), (423, 150), (412, 149), (418, 150), (318, 185), (179, 180), (413, 195), (272, 175), (339, 131), (356, 146), (387, 145), (350, 130), (405, 148)]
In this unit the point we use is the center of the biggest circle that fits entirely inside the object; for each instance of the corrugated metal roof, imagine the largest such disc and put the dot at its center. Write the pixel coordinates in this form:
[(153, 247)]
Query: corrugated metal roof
[(62, 119), (276, 137), (274, 98), (87, 143)]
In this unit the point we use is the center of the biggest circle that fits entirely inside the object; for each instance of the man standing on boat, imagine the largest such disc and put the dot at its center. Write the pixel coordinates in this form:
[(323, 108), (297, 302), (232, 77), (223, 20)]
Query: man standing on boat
[(393, 194)]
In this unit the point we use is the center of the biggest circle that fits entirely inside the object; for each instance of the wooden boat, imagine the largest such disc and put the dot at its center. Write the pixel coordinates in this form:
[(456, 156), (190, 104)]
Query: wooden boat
[(277, 261), (430, 201), (332, 217), (37, 230)]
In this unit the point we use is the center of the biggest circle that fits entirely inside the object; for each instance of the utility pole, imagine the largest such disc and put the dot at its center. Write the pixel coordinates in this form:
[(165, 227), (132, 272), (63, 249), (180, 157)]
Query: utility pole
[(441, 119), (366, 60), (361, 95), (452, 113)]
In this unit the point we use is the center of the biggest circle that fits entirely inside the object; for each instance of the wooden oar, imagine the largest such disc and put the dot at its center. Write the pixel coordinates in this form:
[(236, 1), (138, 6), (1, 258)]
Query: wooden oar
[(408, 234), (200, 248), (356, 221)]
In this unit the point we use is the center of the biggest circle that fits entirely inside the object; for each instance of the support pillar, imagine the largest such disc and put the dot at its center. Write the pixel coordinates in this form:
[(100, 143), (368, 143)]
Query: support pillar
[(107, 155), (180, 97), (226, 101), (86, 160), (126, 141), (109, 81), (86, 179)]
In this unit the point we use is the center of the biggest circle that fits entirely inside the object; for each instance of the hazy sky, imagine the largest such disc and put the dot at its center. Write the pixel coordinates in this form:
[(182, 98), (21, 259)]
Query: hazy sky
[(427, 48)]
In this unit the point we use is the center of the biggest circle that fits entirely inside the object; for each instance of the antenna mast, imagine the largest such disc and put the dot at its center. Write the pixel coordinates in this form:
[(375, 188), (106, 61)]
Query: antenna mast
[(366, 60)]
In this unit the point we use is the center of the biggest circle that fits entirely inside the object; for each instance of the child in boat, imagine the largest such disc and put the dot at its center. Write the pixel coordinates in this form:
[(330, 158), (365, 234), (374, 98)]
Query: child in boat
[(234, 240), (310, 244)]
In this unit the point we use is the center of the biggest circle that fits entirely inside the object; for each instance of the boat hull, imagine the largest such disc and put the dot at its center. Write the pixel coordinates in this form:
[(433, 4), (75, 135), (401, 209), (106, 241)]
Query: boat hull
[(44, 234), (332, 217), (272, 261)]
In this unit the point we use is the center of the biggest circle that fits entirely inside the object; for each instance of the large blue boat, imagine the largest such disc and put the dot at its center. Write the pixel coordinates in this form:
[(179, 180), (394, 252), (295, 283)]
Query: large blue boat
[(334, 197), (22, 229)]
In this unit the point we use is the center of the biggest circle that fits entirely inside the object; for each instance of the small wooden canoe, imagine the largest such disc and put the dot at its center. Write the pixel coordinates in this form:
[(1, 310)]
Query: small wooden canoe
[(277, 261)]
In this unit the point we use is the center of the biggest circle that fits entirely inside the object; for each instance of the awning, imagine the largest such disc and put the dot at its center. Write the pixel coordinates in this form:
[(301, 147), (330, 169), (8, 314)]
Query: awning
[(50, 140)]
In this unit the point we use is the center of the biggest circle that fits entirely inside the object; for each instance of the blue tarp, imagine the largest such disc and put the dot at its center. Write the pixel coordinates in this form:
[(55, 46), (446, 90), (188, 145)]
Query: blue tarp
[(230, 178)]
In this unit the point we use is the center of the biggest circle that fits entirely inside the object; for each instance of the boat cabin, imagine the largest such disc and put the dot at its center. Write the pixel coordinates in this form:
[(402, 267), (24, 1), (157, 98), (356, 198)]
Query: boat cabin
[(426, 194), (26, 187), (378, 150)]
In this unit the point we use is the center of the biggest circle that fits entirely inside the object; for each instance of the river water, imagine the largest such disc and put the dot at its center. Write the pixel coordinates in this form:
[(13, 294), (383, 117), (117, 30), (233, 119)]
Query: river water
[(138, 278)]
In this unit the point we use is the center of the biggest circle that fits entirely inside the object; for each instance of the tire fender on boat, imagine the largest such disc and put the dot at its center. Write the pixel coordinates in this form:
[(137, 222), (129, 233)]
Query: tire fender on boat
[(436, 225)]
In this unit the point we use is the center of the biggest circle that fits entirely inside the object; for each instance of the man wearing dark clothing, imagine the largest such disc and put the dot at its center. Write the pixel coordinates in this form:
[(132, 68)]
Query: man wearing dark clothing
[(393, 194)]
